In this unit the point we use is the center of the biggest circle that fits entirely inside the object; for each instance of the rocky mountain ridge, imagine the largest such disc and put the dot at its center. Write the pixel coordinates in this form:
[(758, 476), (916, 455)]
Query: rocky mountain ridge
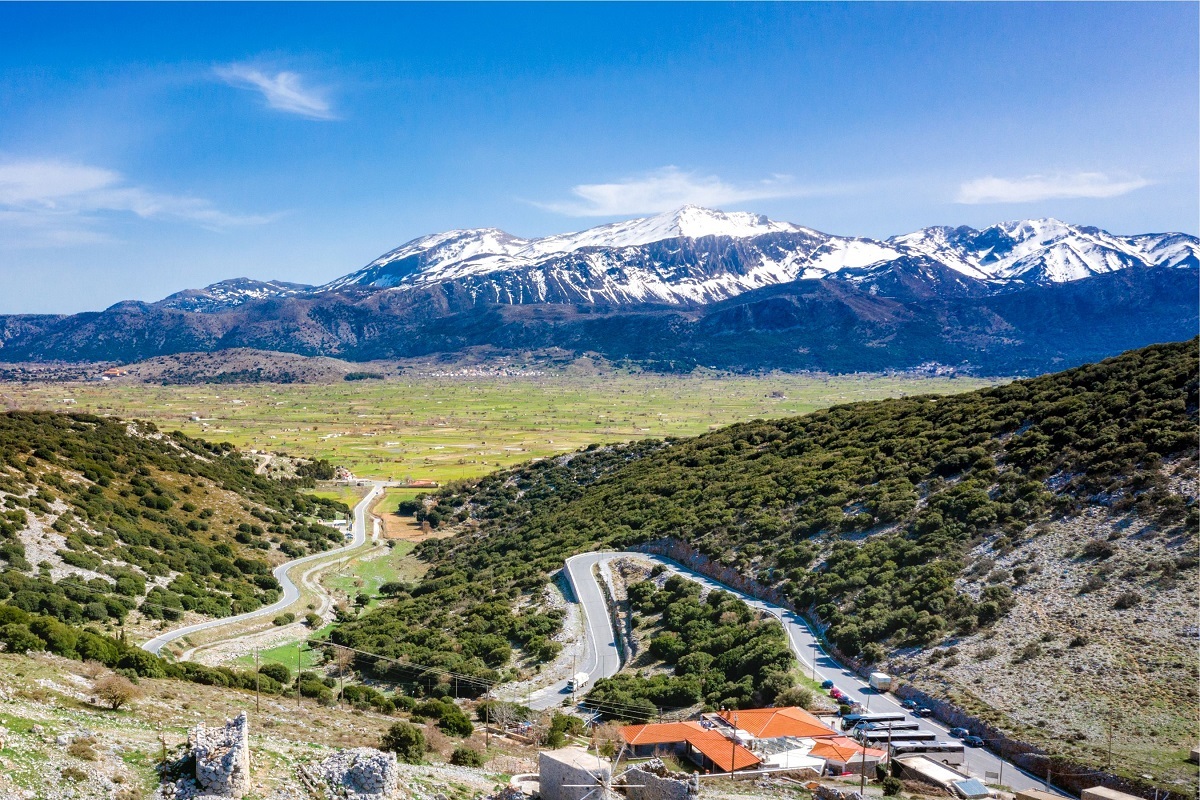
[(691, 288)]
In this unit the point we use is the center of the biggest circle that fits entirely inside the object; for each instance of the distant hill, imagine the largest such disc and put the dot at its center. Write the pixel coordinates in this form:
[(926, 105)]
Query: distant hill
[(687, 288)]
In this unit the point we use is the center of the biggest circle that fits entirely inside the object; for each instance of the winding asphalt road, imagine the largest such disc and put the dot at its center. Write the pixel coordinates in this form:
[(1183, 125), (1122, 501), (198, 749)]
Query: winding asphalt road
[(291, 592), (604, 660)]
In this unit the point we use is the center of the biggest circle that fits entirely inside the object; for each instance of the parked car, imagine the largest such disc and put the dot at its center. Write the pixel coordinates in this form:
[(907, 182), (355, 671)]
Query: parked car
[(826, 684), (960, 733), (924, 711), (910, 705), (973, 741)]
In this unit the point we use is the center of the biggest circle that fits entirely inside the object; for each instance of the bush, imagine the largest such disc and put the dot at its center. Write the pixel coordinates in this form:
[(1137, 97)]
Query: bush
[(454, 722), (284, 619), (1127, 599), (82, 749), (278, 672), (892, 786), (464, 756), (17, 638), (115, 690), (406, 741), (800, 696)]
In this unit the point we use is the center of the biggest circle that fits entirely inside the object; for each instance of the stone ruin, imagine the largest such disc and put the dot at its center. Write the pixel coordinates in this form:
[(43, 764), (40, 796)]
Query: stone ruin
[(361, 773), (652, 780), (222, 763)]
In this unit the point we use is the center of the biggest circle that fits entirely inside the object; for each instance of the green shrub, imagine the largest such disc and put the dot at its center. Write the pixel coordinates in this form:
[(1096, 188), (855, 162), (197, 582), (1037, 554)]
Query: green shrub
[(464, 756), (406, 741)]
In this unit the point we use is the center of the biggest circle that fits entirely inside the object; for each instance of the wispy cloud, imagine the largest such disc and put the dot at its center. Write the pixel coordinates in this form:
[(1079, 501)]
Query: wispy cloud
[(667, 188), (283, 91), (46, 202), (1033, 188)]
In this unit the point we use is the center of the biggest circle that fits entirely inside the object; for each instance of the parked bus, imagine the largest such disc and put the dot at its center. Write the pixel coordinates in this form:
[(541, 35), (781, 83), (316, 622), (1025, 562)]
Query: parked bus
[(850, 720), (875, 737), (888, 726), (952, 754)]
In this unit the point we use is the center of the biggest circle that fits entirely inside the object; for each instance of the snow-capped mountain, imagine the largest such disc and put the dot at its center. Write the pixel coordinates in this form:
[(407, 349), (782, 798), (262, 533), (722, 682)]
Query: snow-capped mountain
[(685, 288), (231, 293), (1046, 250), (695, 255)]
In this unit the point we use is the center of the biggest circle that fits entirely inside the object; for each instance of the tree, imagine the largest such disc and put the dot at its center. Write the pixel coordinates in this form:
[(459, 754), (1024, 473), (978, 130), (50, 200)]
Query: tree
[(406, 741), (116, 690)]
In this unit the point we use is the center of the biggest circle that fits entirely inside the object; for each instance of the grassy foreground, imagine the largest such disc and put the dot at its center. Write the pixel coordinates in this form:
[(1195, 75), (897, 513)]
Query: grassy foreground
[(446, 428)]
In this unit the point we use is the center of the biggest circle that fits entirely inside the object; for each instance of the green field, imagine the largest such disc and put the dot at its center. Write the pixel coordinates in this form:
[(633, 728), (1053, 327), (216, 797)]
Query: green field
[(368, 572), (446, 428), (286, 654)]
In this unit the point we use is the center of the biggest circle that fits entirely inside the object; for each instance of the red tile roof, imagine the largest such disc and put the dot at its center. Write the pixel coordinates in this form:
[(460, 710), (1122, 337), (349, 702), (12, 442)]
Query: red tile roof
[(725, 754), (772, 723), (842, 748)]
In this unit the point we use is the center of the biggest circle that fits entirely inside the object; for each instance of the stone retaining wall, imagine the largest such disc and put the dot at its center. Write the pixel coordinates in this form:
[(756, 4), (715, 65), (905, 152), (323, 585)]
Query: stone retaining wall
[(653, 781)]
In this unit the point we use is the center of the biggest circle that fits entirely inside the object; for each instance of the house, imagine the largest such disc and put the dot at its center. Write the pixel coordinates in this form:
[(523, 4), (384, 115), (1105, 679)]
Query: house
[(1037, 794), (1104, 793), (703, 746), (842, 755), (785, 739)]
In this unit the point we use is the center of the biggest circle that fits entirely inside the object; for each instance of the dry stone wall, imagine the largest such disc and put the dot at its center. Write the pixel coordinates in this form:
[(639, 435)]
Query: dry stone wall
[(653, 781)]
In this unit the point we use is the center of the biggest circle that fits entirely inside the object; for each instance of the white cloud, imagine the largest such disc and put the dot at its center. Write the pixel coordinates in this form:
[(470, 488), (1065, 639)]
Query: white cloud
[(667, 188), (283, 91), (1032, 188), (48, 202)]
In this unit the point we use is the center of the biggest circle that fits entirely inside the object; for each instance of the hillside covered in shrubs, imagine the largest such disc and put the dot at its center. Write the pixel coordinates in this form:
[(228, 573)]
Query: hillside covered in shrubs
[(100, 517), (864, 515)]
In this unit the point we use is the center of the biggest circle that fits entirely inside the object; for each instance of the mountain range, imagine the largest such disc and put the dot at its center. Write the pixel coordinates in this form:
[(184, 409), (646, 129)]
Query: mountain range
[(689, 287)]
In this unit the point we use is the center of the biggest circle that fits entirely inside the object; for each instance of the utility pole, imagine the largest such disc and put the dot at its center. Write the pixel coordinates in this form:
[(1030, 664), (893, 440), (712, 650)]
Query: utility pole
[(862, 771), (256, 674), (297, 674), (487, 719)]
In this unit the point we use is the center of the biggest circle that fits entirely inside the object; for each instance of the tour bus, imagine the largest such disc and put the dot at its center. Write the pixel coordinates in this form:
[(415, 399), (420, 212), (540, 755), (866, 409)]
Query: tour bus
[(875, 737), (952, 754), (888, 726), (850, 720)]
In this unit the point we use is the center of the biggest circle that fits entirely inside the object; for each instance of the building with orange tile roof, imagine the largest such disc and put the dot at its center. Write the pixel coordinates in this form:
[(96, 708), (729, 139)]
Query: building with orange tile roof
[(773, 723), (707, 748), (767, 738)]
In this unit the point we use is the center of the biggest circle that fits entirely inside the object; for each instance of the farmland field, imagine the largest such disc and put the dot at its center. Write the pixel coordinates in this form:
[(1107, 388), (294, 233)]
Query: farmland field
[(447, 428)]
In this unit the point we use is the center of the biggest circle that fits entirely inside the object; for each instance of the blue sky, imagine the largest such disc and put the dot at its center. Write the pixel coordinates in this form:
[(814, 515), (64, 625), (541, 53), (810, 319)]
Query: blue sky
[(149, 148)]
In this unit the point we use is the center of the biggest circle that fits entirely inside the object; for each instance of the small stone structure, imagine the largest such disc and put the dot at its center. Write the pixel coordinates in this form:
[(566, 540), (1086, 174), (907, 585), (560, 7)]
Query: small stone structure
[(360, 773), (824, 792), (653, 781), (222, 757), (571, 773)]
